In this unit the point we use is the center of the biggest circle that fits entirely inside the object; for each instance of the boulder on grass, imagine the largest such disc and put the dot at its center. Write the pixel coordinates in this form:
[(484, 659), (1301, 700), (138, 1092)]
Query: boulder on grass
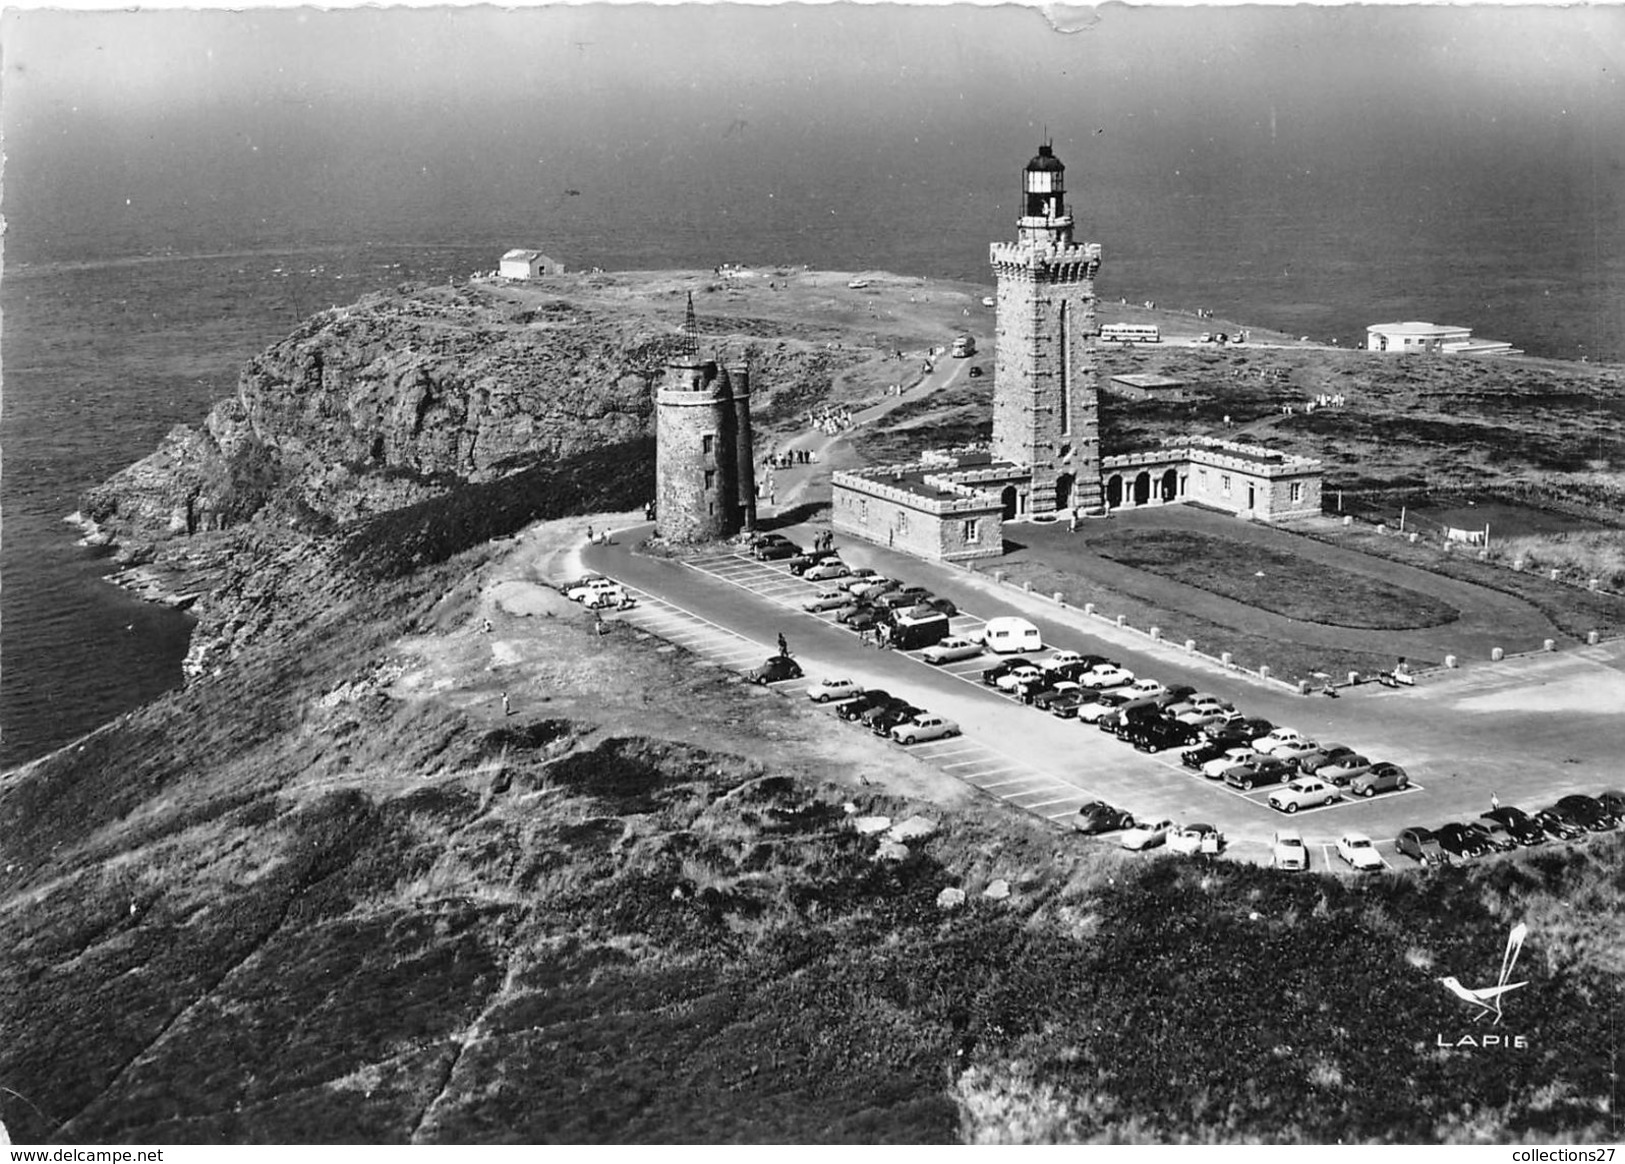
[(997, 890), (915, 828), (869, 825), (950, 898), (892, 851)]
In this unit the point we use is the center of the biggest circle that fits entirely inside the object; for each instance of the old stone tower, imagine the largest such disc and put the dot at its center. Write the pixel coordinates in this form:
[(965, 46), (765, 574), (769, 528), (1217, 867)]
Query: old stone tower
[(705, 479), (1045, 397)]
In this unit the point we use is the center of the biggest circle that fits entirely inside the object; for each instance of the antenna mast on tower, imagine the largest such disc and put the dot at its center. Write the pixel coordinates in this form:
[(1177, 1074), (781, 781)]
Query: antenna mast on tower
[(691, 330)]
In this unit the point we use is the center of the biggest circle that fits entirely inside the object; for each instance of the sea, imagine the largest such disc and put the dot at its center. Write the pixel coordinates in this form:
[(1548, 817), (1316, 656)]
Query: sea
[(167, 217)]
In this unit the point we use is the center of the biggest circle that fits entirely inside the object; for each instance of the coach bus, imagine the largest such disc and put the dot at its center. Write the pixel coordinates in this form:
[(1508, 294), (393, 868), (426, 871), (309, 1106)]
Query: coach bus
[(1132, 333), (964, 345)]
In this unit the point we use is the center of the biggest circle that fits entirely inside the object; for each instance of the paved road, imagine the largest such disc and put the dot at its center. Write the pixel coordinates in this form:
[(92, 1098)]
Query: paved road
[(1459, 738)]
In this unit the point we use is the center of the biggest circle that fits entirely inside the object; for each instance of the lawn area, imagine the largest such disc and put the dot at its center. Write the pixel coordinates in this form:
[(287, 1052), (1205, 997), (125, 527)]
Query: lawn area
[(1274, 581)]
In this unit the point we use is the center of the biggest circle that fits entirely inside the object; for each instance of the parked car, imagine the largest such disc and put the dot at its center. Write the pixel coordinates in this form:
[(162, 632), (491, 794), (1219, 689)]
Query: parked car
[(1099, 817), (1146, 834), (1106, 675), (1249, 774), (1519, 825), (1344, 769), (1383, 777), (777, 551), (586, 588), (1196, 838), (1299, 793), (1239, 730), (1138, 709), (854, 708), (1421, 846), (1287, 850), (801, 563), (924, 727), (895, 706), (1614, 802), (895, 600), (1009, 682), (1146, 689), (1495, 838), (1156, 735), (1215, 768), (1559, 826), (1177, 693), (993, 674), (889, 718), (1060, 659), (825, 600), (858, 576), (1458, 840), (1585, 811), (1066, 705), (1203, 752), (873, 588), (1199, 705), (1311, 763), (937, 605), (951, 650), (826, 690), (1359, 853), (776, 670), (1278, 738), (605, 598), (1045, 698), (1093, 711), (865, 618), (852, 608), (1295, 752), (827, 570)]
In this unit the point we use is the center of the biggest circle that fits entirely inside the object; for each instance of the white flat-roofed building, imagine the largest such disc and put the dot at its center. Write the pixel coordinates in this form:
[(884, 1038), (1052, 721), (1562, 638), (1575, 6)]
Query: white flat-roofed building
[(1416, 336), (522, 264)]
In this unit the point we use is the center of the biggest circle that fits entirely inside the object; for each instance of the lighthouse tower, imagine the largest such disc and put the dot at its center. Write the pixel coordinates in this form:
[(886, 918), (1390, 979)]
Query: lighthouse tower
[(1046, 411), (705, 483)]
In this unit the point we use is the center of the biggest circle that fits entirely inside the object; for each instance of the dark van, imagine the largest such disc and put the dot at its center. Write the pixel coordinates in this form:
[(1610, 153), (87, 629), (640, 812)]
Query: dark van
[(912, 632)]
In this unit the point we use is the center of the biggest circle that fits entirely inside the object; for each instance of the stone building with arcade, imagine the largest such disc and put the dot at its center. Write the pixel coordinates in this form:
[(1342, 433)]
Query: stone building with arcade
[(1045, 457)]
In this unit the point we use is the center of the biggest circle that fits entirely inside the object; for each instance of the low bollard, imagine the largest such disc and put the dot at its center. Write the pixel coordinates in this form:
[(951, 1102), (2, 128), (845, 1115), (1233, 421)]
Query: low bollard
[(1549, 645), (1591, 584), (1155, 633), (1122, 620), (1517, 563), (1382, 529), (1451, 662), (1303, 687), (1354, 677), (1552, 574), (1263, 671), (998, 575), (1088, 608), (1027, 586), (1060, 599), (1226, 659), (1190, 646), (1483, 555), (1497, 654), (1413, 539), (1592, 638), (1347, 520)]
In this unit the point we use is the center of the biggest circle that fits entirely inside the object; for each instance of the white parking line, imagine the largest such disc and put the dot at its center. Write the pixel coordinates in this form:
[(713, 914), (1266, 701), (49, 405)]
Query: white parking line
[(1021, 780), (1073, 795)]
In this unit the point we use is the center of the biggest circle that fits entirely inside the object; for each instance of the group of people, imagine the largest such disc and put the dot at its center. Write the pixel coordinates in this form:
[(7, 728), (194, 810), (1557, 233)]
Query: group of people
[(1324, 400), (879, 634), (823, 543), (785, 460), (830, 420)]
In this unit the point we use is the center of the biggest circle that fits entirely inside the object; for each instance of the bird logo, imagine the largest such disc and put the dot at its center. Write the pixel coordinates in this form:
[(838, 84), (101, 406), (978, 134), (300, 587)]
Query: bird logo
[(1488, 998)]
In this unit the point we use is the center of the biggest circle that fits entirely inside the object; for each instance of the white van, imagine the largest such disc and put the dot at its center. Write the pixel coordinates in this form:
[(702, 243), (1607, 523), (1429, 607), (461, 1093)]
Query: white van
[(1006, 636)]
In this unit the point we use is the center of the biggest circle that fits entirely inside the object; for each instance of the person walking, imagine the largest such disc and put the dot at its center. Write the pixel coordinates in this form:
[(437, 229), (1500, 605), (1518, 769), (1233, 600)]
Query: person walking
[(784, 647), (1495, 802), (507, 708), (589, 535)]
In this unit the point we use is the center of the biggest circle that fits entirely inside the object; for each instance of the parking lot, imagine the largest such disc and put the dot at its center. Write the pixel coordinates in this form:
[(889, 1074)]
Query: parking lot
[(1023, 755)]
